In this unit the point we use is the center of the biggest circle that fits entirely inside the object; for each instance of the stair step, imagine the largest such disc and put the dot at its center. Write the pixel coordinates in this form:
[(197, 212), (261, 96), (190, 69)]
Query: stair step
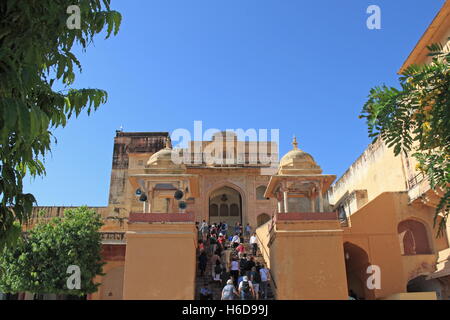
[(214, 287)]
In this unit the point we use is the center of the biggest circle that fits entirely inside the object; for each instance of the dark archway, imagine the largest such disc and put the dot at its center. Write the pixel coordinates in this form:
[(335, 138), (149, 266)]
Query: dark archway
[(225, 204), (413, 237), (356, 264)]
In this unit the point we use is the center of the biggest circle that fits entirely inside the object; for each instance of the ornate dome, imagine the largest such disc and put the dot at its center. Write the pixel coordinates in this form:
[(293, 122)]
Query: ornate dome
[(163, 158), (298, 160)]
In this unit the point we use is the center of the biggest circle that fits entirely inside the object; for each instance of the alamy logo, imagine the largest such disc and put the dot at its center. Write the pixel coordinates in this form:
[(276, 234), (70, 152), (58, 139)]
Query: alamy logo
[(74, 20), (374, 20), (229, 147), (374, 280), (74, 280)]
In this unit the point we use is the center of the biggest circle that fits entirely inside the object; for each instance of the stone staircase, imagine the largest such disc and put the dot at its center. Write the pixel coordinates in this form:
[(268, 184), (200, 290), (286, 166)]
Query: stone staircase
[(216, 288)]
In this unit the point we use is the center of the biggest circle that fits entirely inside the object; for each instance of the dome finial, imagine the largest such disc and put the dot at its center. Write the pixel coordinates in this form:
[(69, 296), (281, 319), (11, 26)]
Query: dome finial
[(168, 143), (295, 143)]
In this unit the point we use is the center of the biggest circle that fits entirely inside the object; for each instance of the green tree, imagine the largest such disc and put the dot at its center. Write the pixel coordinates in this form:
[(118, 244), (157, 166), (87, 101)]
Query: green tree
[(39, 262), (35, 56), (415, 119)]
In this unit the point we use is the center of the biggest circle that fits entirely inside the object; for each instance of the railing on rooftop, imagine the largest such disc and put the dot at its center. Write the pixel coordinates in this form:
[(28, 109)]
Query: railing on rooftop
[(417, 179), (160, 217)]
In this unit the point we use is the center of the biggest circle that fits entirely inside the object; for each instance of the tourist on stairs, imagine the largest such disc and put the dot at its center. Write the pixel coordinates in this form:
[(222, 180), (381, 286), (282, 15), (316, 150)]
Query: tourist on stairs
[(202, 261), (235, 241), (205, 292), (255, 277), (217, 271), (235, 271), (224, 229), (246, 290), (229, 291), (265, 278), (240, 250), (204, 228), (254, 244), (248, 231)]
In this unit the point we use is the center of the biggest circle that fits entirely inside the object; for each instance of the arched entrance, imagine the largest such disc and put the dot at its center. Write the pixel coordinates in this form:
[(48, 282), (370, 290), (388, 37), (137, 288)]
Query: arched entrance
[(262, 218), (413, 237), (356, 263), (225, 204)]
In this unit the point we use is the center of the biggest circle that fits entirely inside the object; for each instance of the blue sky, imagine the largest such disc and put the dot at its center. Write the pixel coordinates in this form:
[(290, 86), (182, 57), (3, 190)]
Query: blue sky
[(304, 67)]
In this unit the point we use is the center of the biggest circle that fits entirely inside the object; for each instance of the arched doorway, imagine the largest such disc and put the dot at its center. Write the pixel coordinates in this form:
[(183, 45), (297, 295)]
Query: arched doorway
[(225, 204), (356, 263), (262, 219), (413, 237)]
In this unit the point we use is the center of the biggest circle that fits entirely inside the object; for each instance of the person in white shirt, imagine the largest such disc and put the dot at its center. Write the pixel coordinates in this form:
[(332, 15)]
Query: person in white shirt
[(234, 271), (204, 228), (254, 244)]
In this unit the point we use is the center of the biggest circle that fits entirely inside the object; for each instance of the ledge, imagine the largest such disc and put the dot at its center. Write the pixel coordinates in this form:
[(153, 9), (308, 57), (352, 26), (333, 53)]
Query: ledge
[(160, 217)]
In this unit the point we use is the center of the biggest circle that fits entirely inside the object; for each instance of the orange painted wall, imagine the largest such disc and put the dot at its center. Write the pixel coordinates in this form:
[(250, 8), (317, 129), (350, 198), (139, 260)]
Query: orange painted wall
[(160, 261), (307, 260)]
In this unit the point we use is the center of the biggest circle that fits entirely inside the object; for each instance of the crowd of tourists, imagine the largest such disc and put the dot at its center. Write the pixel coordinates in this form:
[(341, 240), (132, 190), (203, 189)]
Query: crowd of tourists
[(234, 269)]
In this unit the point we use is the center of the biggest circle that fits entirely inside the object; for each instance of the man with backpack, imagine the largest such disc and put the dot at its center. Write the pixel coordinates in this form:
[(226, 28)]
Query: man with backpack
[(246, 290)]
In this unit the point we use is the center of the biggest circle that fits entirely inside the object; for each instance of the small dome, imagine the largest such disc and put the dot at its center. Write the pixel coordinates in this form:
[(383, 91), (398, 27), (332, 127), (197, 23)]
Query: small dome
[(296, 156), (297, 159), (163, 158)]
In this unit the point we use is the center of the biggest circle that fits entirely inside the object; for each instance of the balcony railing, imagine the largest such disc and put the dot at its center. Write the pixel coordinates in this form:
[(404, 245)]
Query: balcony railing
[(118, 237), (160, 217), (308, 216), (418, 178)]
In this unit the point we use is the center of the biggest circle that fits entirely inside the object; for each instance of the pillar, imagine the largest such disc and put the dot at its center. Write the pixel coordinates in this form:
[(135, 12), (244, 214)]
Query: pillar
[(285, 195), (145, 206), (280, 206), (320, 200)]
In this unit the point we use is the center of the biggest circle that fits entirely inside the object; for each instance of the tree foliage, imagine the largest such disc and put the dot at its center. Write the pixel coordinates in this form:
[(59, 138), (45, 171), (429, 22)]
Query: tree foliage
[(39, 261), (35, 56), (415, 119)]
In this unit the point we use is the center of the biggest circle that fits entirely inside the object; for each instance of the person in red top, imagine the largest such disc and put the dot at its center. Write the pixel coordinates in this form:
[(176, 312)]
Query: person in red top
[(221, 240), (240, 249), (201, 246)]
